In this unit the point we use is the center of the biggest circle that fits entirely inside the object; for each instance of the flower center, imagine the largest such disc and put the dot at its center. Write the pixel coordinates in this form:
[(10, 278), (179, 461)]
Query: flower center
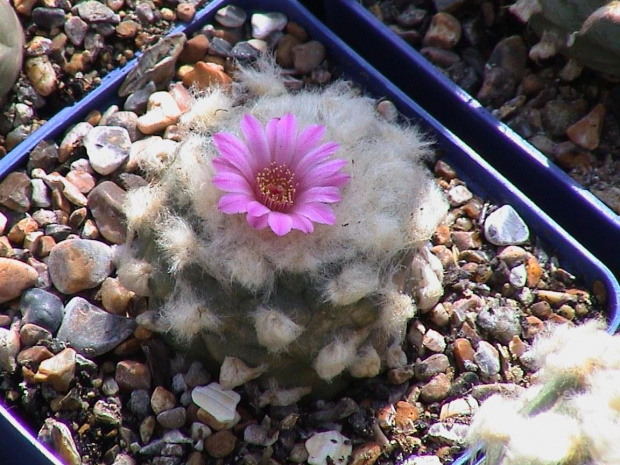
[(276, 187)]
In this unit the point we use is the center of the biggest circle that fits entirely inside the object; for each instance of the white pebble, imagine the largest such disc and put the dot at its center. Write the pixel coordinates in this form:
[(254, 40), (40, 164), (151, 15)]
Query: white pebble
[(264, 24), (107, 148), (330, 444), (220, 404), (505, 227)]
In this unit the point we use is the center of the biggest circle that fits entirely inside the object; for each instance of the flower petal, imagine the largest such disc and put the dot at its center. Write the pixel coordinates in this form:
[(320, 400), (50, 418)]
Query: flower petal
[(258, 222), (286, 140), (233, 150), (233, 203), (324, 194), (308, 139), (317, 212), (321, 173), (231, 182), (257, 209), (280, 223), (314, 157), (256, 140), (302, 223)]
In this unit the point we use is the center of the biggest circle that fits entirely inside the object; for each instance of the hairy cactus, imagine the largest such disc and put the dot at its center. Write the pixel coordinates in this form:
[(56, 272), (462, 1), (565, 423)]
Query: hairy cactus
[(11, 47), (585, 30), (312, 271)]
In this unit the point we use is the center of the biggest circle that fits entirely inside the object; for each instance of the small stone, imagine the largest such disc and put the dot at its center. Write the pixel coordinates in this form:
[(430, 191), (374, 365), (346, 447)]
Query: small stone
[(42, 308), (503, 71), (33, 355), (15, 277), (459, 195), (220, 444), (18, 232), (75, 265), (48, 18), (244, 51), (504, 226), (444, 31), (219, 403), (115, 297), (220, 47), (58, 371), (431, 366), (40, 194), (231, 16), (487, 359), (458, 407), (173, 418), (196, 375), (434, 341), (107, 148), (284, 50), (93, 11), (32, 334), (162, 400), (41, 74), (406, 416), (401, 374), (586, 132), (366, 454), (308, 56), (16, 192), (206, 75), (464, 354), (57, 433), (9, 348), (501, 321), (162, 111), (436, 389), (185, 12), (93, 331), (107, 413), (72, 140), (131, 375), (263, 24), (147, 428), (258, 435), (328, 447), (127, 29), (194, 49), (105, 202), (448, 433)]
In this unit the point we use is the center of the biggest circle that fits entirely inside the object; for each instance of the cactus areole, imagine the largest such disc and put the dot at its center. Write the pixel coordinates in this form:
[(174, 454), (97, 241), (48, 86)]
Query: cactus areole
[(279, 260), (11, 47)]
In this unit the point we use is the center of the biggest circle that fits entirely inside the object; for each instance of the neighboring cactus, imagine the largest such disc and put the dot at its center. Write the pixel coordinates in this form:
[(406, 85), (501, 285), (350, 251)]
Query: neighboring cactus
[(586, 30), (247, 269), (11, 47)]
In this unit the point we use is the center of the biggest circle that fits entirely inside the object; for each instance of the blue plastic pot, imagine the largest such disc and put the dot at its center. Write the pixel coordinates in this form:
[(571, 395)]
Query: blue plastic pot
[(570, 204), (481, 178)]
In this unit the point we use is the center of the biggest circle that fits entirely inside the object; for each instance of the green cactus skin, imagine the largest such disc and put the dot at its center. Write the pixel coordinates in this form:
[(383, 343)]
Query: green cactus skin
[(11, 47), (586, 30)]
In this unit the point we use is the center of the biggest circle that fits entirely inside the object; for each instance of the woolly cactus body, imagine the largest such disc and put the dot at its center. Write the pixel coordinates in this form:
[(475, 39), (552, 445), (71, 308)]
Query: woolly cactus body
[(11, 47), (303, 307), (585, 30)]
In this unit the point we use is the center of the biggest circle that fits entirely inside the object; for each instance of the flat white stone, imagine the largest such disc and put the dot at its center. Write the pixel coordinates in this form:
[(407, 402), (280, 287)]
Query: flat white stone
[(264, 24), (107, 148), (505, 227), (330, 444), (220, 403)]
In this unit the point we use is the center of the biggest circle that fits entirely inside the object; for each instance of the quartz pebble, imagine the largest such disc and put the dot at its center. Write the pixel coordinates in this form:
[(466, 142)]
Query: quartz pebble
[(230, 16), (328, 447), (219, 403), (264, 24), (58, 370), (504, 226)]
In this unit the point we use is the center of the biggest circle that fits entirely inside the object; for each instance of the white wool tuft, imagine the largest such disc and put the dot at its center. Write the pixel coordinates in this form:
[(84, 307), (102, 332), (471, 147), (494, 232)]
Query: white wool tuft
[(367, 363), (143, 206), (274, 329), (396, 310), (132, 273), (207, 110), (355, 281), (178, 242), (335, 357)]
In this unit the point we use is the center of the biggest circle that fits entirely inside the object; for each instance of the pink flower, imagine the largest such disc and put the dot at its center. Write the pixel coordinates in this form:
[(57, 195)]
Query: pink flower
[(277, 176)]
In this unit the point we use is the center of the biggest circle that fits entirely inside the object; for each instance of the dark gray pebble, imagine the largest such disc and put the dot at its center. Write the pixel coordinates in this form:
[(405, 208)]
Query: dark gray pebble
[(42, 308)]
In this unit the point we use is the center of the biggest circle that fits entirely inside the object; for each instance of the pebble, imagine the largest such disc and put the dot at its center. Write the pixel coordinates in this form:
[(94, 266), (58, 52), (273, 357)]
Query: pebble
[(162, 111), (16, 192), (18, 231), (42, 308), (105, 202), (205, 75), (41, 74), (107, 413), (162, 400), (33, 355), (231, 16), (48, 18), (448, 433), (173, 418), (194, 49), (33, 334), (15, 277), (185, 12), (504, 226), (9, 348), (72, 140), (219, 403), (115, 298), (82, 180), (59, 435), (366, 454), (487, 359), (220, 444), (196, 375), (263, 24), (434, 341), (501, 321), (93, 11), (139, 403), (444, 31), (459, 195), (586, 132), (464, 354), (58, 371), (436, 389), (75, 265), (431, 366), (107, 148), (458, 407), (308, 56), (91, 330), (328, 447), (132, 376), (40, 194)]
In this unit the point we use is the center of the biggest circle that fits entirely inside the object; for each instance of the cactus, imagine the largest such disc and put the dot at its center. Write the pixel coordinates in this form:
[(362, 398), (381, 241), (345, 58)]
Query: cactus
[(296, 301), (584, 30), (11, 47)]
